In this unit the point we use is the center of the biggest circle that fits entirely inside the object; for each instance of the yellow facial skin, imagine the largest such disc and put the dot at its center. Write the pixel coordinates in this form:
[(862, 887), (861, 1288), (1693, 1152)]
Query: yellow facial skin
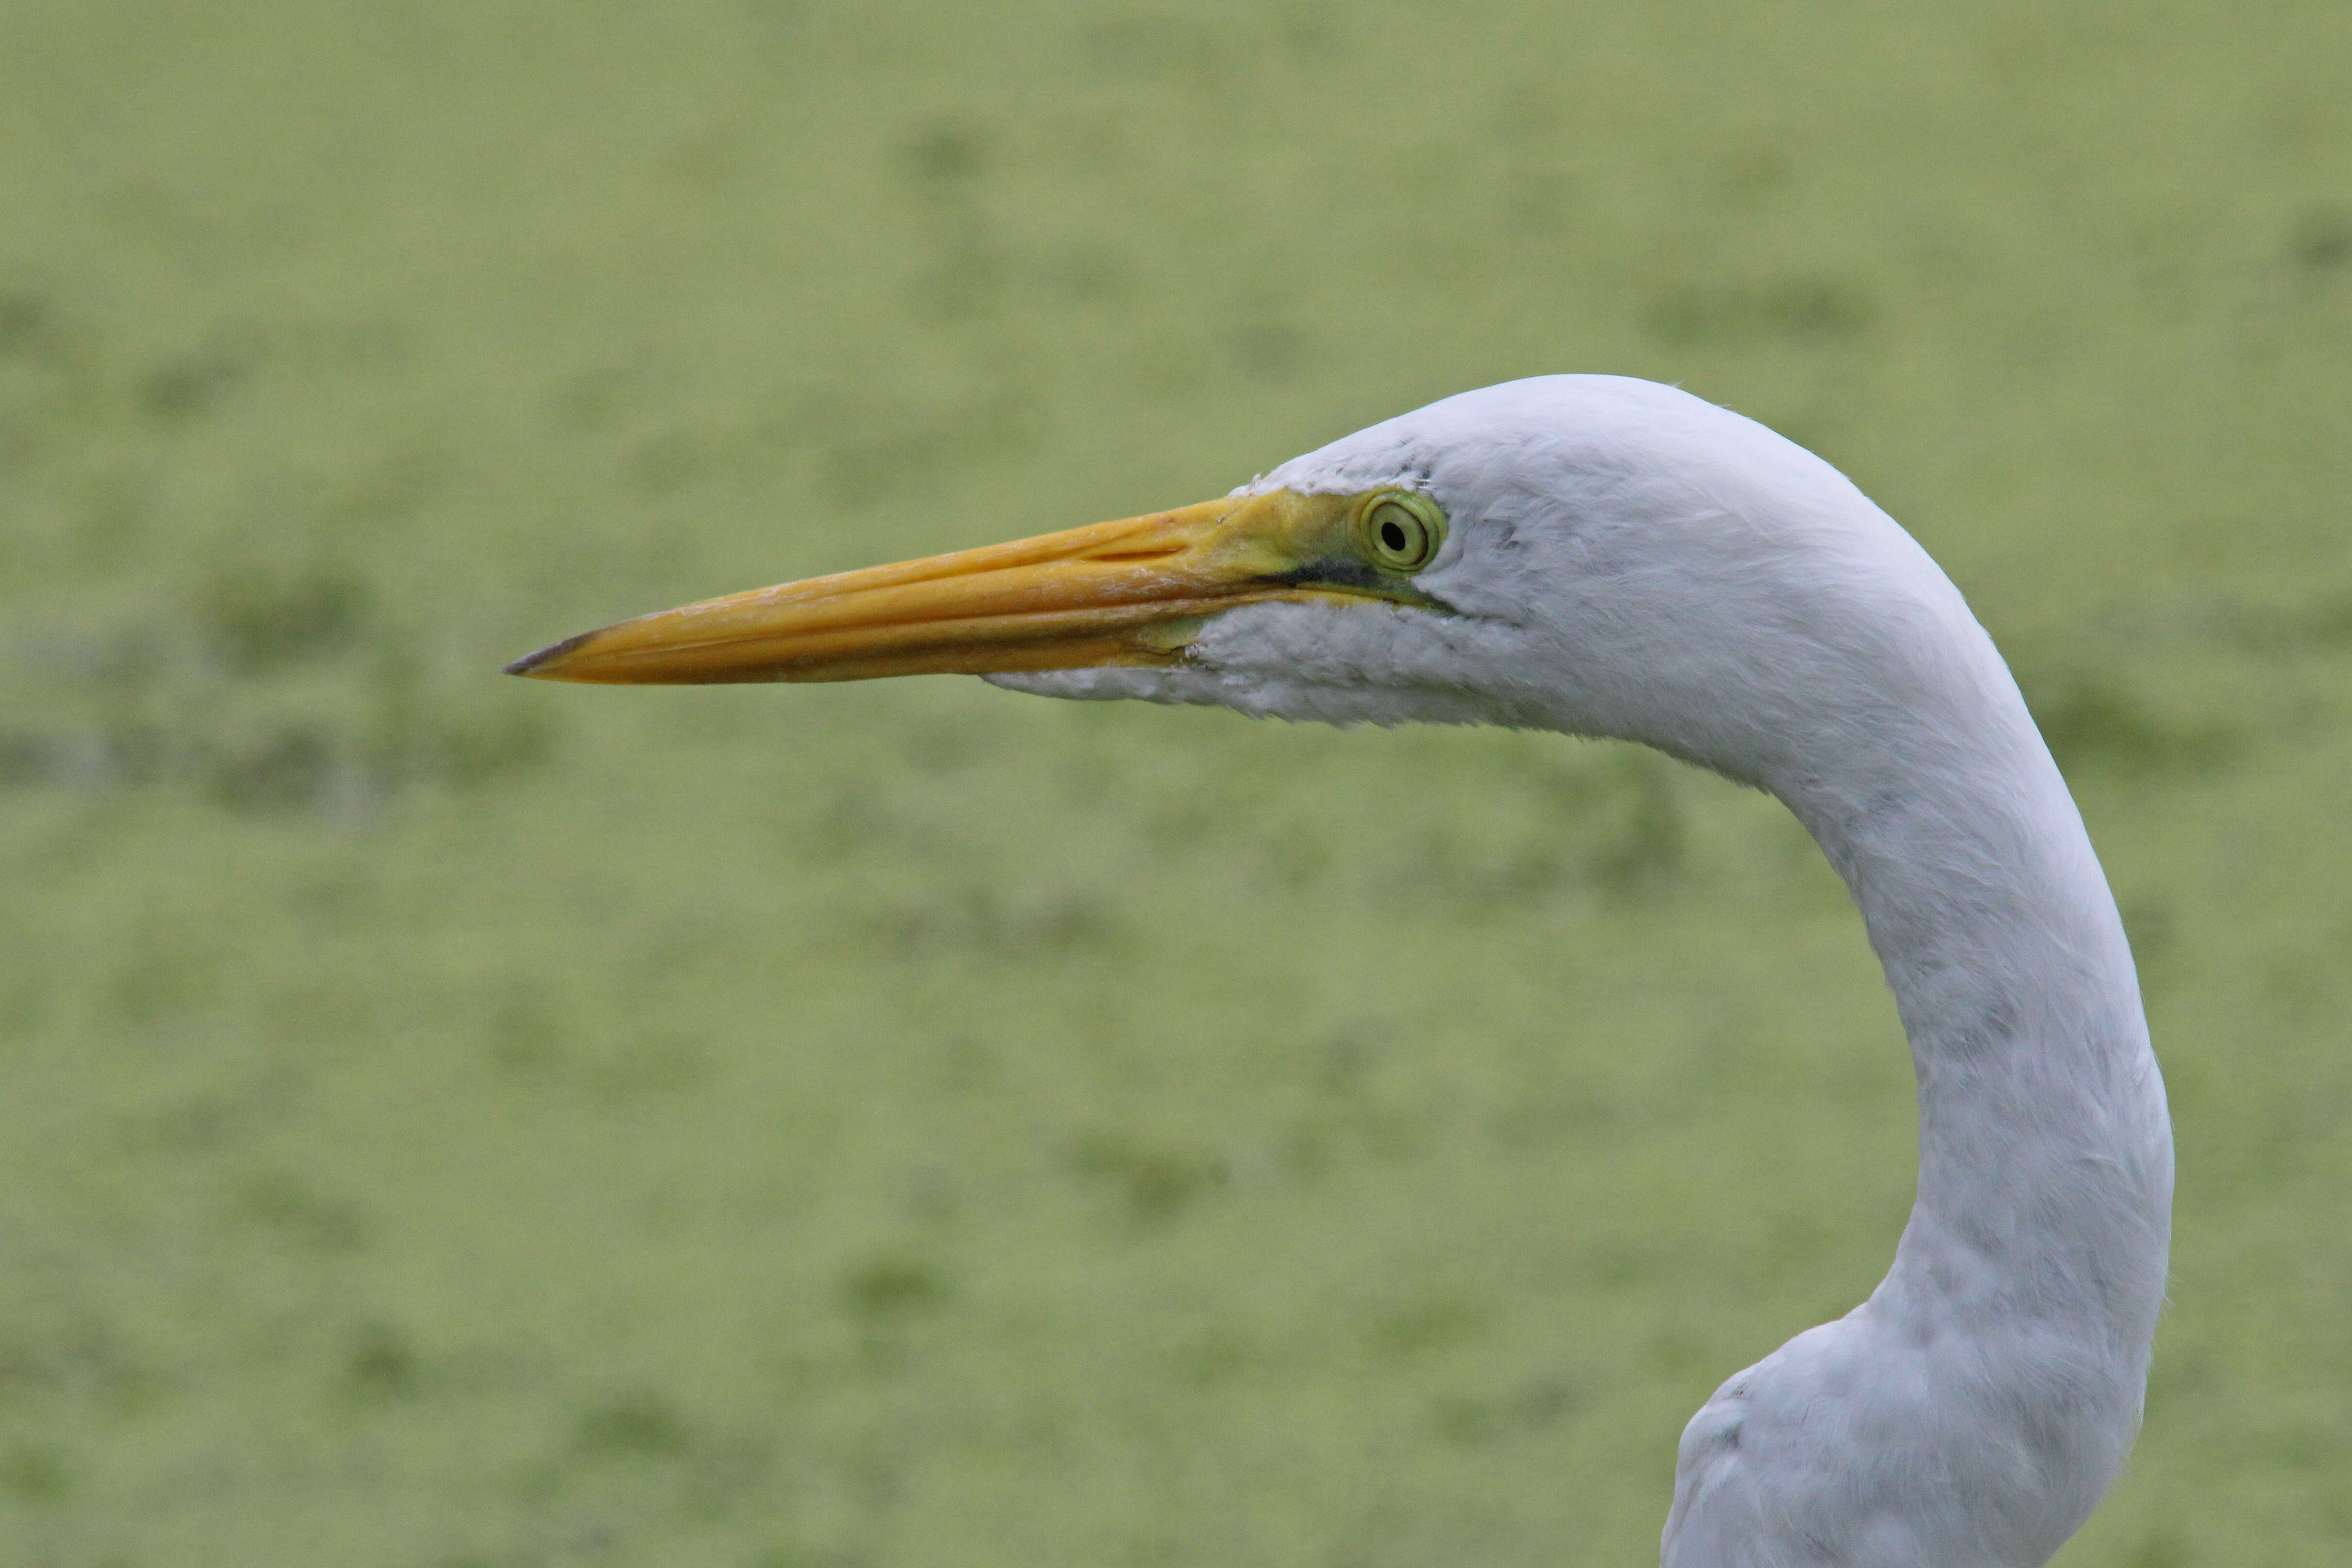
[(1135, 591)]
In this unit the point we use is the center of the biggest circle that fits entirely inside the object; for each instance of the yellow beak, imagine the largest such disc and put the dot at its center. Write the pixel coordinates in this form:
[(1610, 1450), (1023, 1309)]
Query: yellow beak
[(1133, 592)]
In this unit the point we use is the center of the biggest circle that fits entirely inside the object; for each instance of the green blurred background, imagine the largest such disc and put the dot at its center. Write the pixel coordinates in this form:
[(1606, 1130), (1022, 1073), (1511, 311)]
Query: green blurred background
[(453, 1123)]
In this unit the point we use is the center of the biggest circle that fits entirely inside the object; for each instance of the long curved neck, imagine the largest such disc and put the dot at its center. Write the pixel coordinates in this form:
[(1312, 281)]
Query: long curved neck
[(2045, 1154)]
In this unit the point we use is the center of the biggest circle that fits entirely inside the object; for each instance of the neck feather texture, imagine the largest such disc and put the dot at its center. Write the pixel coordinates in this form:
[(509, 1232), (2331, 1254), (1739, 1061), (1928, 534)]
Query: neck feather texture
[(2045, 1155), (2029, 1279), (1971, 1413)]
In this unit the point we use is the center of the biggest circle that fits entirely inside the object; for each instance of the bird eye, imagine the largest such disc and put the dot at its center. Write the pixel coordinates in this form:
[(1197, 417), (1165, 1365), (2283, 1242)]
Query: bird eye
[(1401, 530)]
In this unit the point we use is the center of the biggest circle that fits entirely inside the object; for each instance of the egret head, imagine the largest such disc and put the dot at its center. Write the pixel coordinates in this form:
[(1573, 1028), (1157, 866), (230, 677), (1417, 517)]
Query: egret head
[(1586, 553)]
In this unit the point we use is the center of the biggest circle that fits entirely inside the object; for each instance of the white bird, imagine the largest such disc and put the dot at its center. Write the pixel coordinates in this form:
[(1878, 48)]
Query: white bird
[(1610, 557)]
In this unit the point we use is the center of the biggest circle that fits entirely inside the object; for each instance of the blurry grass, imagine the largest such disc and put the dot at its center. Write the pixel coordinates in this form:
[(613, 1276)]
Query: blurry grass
[(264, 696), (454, 1122)]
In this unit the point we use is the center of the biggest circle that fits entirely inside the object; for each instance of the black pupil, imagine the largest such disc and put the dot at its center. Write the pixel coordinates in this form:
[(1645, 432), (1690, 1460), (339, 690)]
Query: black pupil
[(1393, 535)]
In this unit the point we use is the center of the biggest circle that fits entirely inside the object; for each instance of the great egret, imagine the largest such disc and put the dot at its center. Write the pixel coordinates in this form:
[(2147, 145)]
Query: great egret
[(1610, 557)]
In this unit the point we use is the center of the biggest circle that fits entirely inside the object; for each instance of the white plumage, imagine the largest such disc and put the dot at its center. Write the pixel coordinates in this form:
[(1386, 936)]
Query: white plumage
[(1629, 561)]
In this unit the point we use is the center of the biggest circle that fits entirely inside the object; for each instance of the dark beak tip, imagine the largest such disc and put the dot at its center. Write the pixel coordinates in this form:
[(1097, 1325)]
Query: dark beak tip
[(532, 663)]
